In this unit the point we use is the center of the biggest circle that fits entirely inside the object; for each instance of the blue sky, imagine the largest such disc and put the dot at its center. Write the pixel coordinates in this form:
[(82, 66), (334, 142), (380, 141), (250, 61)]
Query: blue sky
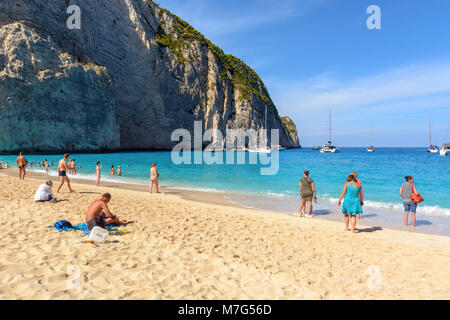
[(319, 54)]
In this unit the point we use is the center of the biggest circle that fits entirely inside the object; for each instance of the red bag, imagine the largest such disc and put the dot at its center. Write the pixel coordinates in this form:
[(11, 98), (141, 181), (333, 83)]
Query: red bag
[(417, 198)]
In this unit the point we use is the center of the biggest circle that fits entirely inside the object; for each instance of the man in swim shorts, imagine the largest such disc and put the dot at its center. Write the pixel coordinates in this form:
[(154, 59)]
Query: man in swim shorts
[(62, 173), (98, 214), (21, 164)]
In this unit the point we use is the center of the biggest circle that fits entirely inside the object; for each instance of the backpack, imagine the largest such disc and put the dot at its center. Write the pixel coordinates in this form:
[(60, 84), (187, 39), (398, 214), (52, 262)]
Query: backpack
[(63, 225)]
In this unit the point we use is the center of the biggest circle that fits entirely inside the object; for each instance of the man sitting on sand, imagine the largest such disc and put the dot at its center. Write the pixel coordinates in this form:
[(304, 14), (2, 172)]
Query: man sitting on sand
[(98, 214), (44, 193)]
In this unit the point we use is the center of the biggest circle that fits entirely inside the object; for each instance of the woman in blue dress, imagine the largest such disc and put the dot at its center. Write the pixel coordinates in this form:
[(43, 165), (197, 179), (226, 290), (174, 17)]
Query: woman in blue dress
[(352, 202)]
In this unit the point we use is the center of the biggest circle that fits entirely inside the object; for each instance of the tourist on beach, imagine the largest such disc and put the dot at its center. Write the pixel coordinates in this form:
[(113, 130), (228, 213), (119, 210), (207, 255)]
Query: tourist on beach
[(62, 173), (119, 171), (46, 167), (98, 214), (74, 169), (7, 165), (112, 171), (406, 190), (44, 192), (307, 192), (358, 216), (154, 176), (98, 168), (21, 164), (352, 201)]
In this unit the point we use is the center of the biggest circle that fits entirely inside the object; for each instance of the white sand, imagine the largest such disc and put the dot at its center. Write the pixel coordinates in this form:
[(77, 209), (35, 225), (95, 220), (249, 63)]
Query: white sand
[(180, 249)]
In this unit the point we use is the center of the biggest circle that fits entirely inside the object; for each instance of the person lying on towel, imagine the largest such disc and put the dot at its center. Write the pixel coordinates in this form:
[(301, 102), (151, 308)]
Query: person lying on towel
[(44, 193), (98, 214)]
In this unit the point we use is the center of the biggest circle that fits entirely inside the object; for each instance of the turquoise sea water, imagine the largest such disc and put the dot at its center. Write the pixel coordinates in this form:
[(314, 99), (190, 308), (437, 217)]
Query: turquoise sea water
[(381, 172)]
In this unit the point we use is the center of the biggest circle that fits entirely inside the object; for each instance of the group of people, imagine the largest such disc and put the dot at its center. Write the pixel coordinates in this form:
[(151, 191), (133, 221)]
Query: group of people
[(6, 166), (353, 196), (98, 213)]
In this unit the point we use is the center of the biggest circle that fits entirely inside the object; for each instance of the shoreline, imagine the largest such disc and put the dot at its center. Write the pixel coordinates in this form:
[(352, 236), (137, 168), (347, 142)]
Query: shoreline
[(186, 249), (223, 199)]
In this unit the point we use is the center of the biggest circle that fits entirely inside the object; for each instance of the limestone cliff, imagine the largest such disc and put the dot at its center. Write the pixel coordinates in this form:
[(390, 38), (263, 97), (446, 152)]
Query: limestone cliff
[(126, 80)]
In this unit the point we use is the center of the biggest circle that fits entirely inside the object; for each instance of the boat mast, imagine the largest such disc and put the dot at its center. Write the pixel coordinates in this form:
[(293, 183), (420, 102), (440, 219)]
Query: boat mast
[(429, 120), (330, 123)]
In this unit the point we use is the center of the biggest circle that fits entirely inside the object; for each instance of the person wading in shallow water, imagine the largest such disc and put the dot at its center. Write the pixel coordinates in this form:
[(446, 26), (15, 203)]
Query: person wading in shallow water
[(406, 190), (307, 192), (352, 202)]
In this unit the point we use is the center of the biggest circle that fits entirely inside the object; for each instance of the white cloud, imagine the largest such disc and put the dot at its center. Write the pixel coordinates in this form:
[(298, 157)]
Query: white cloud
[(416, 85)]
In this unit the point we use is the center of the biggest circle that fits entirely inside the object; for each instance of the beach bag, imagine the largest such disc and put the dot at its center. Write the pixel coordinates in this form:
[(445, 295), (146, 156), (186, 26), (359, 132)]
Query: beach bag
[(62, 225), (417, 198)]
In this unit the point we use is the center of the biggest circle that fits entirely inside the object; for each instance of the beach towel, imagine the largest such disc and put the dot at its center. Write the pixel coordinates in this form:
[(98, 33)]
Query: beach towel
[(66, 226)]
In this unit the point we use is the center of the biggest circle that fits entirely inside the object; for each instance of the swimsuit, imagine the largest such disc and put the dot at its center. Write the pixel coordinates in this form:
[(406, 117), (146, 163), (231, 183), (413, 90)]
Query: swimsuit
[(62, 174), (99, 221)]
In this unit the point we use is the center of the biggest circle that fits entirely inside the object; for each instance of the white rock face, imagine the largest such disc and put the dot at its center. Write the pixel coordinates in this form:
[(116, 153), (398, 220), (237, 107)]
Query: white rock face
[(112, 85)]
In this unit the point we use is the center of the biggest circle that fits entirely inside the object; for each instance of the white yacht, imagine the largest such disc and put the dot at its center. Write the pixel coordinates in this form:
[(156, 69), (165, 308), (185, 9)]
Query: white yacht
[(445, 149), (432, 148), (370, 149), (278, 147), (328, 147)]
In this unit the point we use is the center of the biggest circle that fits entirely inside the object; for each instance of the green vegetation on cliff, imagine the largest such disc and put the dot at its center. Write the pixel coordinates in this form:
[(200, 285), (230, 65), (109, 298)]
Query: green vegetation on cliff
[(232, 68), (289, 125)]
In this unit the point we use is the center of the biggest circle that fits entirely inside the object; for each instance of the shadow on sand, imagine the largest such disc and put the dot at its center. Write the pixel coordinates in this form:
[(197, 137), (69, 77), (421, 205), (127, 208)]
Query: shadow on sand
[(321, 212), (423, 223), (371, 229)]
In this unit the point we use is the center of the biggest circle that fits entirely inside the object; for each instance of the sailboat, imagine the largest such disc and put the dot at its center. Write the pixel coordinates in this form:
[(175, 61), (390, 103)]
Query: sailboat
[(432, 148), (328, 147), (371, 148), (260, 149)]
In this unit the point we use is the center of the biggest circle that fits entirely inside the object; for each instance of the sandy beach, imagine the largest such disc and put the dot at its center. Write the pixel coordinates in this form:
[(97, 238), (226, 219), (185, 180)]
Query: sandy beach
[(181, 248)]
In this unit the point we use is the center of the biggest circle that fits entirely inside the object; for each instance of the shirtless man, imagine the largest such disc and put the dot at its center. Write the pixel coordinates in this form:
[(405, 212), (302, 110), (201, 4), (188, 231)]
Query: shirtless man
[(98, 214), (62, 173), (21, 164)]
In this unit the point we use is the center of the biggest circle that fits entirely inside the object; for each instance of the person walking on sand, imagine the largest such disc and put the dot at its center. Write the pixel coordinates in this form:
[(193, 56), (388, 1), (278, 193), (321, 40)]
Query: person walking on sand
[(62, 173), (406, 190), (307, 192), (98, 214), (358, 216), (154, 177), (352, 202), (21, 164), (98, 168)]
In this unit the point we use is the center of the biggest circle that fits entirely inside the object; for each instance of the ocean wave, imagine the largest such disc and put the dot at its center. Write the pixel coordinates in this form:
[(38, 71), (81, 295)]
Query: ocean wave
[(422, 209)]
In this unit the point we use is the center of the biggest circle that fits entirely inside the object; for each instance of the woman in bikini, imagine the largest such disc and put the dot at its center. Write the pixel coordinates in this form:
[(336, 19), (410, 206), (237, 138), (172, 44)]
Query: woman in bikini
[(97, 168), (154, 176)]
